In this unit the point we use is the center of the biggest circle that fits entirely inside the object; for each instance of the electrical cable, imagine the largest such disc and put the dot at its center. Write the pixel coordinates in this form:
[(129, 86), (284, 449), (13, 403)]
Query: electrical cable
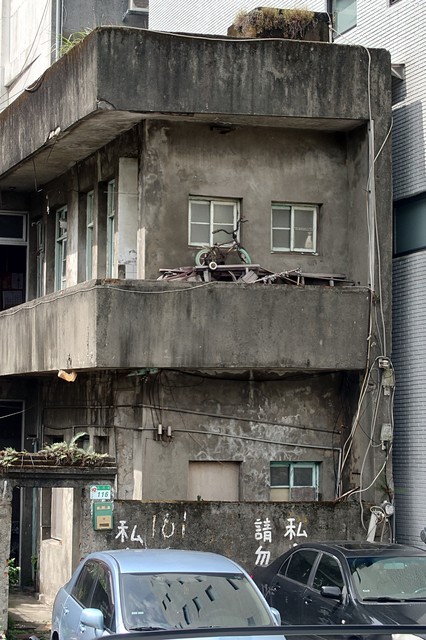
[(206, 414), (374, 249)]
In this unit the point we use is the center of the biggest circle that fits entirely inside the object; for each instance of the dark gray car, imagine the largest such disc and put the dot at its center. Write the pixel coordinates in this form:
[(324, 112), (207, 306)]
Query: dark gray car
[(347, 583)]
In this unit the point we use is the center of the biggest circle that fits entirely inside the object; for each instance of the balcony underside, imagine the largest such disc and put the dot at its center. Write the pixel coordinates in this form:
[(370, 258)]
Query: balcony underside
[(117, 324)]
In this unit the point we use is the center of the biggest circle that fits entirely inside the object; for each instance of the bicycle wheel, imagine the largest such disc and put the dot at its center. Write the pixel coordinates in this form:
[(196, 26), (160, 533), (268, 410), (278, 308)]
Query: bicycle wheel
[(202, 258), (244, 256)]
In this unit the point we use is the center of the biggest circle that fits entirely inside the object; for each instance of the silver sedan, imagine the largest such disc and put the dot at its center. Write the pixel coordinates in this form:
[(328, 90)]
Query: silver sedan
[(130, 590)]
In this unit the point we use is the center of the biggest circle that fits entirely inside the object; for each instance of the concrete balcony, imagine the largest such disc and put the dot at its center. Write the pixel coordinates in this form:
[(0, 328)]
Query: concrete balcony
[(121, 324)]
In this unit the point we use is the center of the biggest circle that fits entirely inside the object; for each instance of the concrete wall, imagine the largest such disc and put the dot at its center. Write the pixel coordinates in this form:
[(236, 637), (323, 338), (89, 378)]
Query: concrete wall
[(257, 166), (111, 325), (239, 531), (250, 422), (226, 528), (5, 525), (58, 551), (208, 77)]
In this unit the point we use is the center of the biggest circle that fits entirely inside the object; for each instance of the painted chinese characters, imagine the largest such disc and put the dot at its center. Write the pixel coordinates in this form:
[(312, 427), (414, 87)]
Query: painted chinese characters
[(263, 534), (166, 527)]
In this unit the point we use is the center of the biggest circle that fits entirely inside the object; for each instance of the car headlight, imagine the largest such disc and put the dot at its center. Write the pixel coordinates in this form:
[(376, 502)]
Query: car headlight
[(405, 636)]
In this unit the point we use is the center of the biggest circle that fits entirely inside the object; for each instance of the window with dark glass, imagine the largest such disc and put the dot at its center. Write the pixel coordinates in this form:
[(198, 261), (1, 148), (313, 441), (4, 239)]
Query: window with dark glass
[(410, 225), (328, 573), (301, 564)]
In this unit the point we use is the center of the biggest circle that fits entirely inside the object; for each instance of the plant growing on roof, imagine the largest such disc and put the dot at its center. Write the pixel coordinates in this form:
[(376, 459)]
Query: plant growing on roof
[(268, 22), (69, 453), (8, 457), (74, 38)]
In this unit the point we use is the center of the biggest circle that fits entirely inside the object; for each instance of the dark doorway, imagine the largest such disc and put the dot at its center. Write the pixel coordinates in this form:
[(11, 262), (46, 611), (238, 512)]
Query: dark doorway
[(13, 270), (11, 436)]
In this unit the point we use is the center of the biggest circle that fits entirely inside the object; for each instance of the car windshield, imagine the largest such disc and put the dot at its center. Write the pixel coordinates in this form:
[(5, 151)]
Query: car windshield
[(180, 601), (390, 578)]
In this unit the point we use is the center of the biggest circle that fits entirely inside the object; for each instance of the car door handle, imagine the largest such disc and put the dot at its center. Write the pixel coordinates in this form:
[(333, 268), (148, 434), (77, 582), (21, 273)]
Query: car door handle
[(274, 588), (65, 611), (307, 600)]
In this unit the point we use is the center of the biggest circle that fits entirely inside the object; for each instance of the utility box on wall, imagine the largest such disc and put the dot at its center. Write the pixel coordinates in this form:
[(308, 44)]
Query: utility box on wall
[(102, 516)]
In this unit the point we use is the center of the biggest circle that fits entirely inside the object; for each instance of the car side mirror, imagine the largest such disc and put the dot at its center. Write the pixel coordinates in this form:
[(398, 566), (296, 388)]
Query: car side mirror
[(276, 615), (92, 618), (335, 593)]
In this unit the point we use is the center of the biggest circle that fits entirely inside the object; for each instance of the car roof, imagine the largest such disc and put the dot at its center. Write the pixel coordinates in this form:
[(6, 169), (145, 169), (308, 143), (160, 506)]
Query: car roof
[(167, 561), (354, 548)]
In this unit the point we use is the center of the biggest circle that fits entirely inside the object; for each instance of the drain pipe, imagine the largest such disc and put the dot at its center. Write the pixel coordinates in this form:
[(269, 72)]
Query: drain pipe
[(58, 28)]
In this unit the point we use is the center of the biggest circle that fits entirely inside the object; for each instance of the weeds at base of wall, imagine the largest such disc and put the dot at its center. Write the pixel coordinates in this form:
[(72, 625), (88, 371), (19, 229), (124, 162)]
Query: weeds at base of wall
[(15, 633)]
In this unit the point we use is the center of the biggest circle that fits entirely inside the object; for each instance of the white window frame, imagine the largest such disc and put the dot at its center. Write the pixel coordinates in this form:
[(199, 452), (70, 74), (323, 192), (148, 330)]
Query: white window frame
[(90, 199), (110, 248), (61, 238), (211, 238), (292, 248), (11, 240), (314, 466), (40, 258)]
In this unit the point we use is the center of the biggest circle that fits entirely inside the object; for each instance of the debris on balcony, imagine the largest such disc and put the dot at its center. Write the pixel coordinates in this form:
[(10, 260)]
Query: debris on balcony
[(252, 273)]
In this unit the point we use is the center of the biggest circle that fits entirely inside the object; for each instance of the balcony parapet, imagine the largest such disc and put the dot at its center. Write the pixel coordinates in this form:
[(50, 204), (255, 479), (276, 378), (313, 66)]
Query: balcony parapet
[(122, 324)]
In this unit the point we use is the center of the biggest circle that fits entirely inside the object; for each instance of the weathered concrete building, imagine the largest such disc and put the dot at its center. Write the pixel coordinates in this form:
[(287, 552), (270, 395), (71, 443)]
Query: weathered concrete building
[(258, 384)]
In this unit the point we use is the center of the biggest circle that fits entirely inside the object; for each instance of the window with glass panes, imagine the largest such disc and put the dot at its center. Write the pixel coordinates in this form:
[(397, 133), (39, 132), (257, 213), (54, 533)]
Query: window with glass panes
[(13, 228), (294, 227), (208, 218), (89, 234), (40, 258), (294, 474), (344, 14), (110, 228), (61, 249)]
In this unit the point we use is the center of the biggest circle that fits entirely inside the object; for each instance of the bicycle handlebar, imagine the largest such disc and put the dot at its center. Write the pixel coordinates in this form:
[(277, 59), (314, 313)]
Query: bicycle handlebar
[(234, 231)]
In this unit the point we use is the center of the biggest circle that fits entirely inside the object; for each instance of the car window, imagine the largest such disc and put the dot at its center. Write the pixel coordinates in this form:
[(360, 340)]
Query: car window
[(182, 600), (300, 565), (102, 597), (397, 576), (328, 573), (82, 590)]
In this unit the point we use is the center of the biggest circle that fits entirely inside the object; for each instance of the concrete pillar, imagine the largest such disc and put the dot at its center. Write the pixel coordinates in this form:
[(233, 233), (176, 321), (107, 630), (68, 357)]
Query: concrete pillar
[(5, 529)]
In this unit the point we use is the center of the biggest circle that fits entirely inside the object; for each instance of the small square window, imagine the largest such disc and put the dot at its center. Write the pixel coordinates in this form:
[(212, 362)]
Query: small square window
[(280, 474), (291, 479), (294, 228), (13, 227), (211, 221)]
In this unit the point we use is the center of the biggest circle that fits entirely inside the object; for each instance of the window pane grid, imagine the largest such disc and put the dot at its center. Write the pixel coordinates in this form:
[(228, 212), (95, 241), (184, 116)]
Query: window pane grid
[(289, 474), (13, 227), (208, 216), (61, 249), (294, 228), (89, 234), (110, 228)]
